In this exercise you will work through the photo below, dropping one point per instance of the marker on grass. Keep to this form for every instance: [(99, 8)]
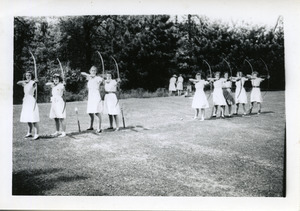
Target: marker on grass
[(78, 123)]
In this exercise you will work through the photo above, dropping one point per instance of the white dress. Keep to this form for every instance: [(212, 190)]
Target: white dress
[(111, 103), (256, 93), (240, 92), (218, 97), (172, 86), (58, 109), (94, 104), (30, 109), (180, 83), (200, 100)]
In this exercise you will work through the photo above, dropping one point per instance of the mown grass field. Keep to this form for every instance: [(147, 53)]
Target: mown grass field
[(162, 152)]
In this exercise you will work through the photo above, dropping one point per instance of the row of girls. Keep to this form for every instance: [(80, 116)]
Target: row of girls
[(222, 94), (95, 105)]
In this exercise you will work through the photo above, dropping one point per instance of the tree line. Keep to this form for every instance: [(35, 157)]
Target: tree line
[(148, 48)]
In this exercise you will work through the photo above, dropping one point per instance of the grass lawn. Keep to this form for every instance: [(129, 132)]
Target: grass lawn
[(158, 154)]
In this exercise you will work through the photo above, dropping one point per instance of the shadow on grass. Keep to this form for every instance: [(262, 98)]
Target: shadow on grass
[(136, 128), (73, 134), (35, 183), (264, 112), (241, 116)]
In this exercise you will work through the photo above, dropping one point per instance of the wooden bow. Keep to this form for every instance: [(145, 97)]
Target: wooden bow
[(35, 76), (210, 76), (228, 66), (102, 62), (118, 73), (62, 70), (63, 77), (249, 65)]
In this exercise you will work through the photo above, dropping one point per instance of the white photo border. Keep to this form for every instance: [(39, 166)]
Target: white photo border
[(255, 9)]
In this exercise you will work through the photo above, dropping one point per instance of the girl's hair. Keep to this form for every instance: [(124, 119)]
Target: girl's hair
[(255, 72), (239, 73), (110, 72), (217, 73), (57, 76), (199, 73), (30, 72), (94, 68)]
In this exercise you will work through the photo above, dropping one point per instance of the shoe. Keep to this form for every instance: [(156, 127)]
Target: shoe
[(36, 137), (222, 116), (99, 131), (234, 114), (55, 134), (63, 134), (117, 129), (28, 135), (244, 114), (214, 116), (195, 117), (258, 112), (109, 128), (202, 119), (90, 128)]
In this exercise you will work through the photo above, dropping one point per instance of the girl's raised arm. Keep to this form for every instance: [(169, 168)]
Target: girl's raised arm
[(193, 80), (234, 79), (85, 74), (264, 77), (249, 77), (49, 84), (21, 83), (211, 79)]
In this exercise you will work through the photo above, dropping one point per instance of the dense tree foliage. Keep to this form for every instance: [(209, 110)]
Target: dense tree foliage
[(149, 49)]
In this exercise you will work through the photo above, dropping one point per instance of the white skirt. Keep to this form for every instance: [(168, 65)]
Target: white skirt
[(94, 103), (179, 86), (57, 109), (172, 87), (218, 97), (200, 100), (256, 95), (30, 110), (240, 96), (111, 104)]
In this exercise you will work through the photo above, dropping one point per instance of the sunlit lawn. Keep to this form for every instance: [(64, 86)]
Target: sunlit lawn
[(162, 152)]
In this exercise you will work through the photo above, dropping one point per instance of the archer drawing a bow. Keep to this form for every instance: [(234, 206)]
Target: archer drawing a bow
[(245, 60), (118, 75)]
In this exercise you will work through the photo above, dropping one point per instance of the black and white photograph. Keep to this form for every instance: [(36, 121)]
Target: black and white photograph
[(183, 104)]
